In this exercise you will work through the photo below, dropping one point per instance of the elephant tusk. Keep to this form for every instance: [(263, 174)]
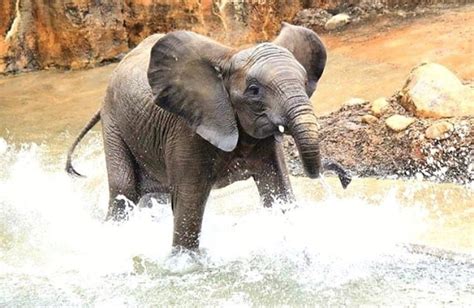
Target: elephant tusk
[(281, 129)]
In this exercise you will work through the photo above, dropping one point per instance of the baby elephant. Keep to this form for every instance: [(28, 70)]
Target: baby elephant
[(183, 114)]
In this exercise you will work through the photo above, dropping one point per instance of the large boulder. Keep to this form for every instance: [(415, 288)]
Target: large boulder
[(337, 21), (433, 91)]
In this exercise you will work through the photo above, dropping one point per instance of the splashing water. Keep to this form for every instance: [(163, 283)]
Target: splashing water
[(55, 248)]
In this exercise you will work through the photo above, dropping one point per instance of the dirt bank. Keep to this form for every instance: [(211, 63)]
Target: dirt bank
[(375, 150)]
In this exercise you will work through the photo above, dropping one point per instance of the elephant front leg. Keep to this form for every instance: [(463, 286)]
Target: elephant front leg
[(188, 203), (271, 177)]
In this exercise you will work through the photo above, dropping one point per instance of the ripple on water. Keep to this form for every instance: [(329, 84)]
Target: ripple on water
[(56, 250)]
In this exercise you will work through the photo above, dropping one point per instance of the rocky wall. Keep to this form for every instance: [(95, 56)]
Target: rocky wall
[(40, 34)]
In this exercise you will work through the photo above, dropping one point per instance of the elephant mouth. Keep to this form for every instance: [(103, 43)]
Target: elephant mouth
[(280, 131), (264, 128), (278, 137), (277, 130)]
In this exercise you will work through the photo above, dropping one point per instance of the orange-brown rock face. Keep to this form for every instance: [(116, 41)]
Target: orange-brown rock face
[(38, 34), (57, 33), (7, 14)]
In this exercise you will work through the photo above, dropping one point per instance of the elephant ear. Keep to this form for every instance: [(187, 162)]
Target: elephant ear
[(307, 48), (184, 75)]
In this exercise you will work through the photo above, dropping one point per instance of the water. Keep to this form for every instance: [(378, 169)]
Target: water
[(332, 248)]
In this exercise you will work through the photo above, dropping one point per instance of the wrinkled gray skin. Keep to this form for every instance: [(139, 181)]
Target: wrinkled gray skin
[(184, 114)]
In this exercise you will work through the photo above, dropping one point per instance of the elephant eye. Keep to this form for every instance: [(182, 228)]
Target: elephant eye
[(253, 89)]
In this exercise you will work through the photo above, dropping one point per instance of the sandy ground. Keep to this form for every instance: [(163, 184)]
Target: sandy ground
[(374, 60), (368, 61)]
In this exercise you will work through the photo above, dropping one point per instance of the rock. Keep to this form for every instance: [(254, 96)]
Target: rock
[(379, 106), (351, 126), (355, 11), (432, 91), (312, 18), (57, 34), (368, 119), (401, 14), (398, 122), (337, 21), (38, 34), (355, 101), (372, 7), (439, 130)]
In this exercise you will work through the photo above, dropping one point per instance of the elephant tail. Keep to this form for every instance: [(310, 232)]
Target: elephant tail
[(69, 168)]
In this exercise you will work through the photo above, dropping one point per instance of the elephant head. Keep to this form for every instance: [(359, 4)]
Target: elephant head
[(265, 88)]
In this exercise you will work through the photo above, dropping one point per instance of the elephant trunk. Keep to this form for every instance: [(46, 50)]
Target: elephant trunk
[(303, 127)]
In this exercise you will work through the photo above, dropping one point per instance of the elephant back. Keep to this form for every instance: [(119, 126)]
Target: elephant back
[(128, 86)]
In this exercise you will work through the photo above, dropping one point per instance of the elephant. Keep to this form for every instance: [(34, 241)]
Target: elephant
[(184, 114)]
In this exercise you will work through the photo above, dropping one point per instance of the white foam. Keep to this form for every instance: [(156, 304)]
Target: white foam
[(52, 226)]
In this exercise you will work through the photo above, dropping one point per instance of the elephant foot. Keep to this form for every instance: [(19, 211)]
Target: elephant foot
[(184, 261), (181, 250), (119, 209)]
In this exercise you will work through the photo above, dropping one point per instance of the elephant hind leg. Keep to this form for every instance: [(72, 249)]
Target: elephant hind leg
[(122, 175)]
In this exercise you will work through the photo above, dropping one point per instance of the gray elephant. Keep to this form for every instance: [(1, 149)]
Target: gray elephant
[(184, 114)]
